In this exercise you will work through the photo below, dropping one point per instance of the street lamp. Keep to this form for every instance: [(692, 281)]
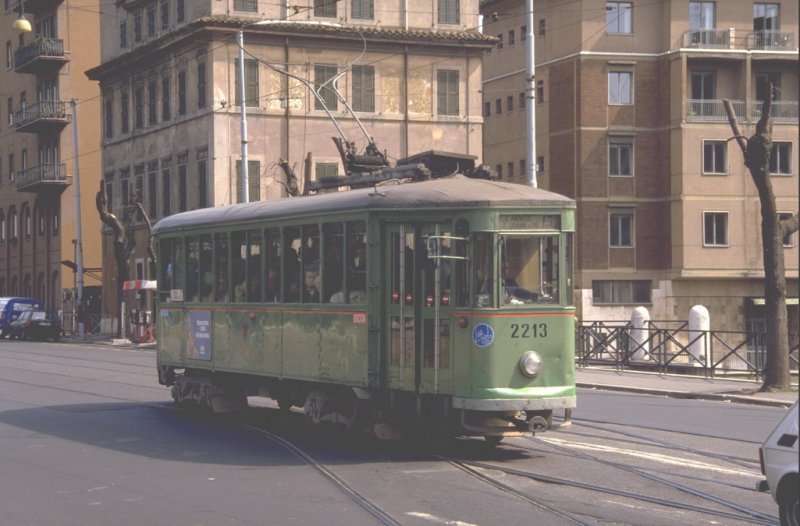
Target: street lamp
[(21, 24)]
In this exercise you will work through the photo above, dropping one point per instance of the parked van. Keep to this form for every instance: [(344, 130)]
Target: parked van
[(778, 458), (11, 308)]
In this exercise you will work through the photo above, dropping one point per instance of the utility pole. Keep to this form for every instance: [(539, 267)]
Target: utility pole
[(530, 89), (244, 176), (76, 188)]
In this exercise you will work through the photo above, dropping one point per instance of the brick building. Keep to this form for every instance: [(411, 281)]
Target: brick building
[(43, 72), (630, 122)]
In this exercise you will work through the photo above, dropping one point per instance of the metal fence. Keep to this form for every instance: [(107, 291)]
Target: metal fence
[(670, 346)]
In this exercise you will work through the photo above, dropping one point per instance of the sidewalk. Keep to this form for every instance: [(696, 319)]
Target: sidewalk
[(682, 386), (672, 385)]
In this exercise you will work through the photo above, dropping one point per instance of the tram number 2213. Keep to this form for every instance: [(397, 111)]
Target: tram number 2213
[(529, 330)]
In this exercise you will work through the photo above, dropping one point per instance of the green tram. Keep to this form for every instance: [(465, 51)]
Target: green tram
[(447, 301)]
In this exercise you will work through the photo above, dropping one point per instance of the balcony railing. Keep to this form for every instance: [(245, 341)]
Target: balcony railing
[(707, 38), (44, 176), (782, 110), (48, 52), (45, 115), (771, 40), (711, 110)]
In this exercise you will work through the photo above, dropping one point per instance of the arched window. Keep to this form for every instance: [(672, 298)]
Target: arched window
[(2, 286), (26, 221), (14, 291), (3, 231), (39, 216), (13, 220), (27, 286), (56, 218)]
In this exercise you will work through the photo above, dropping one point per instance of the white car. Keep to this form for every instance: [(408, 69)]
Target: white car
[(779, 462)]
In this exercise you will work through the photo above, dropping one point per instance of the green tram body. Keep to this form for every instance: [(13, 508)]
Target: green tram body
[(332, 357)]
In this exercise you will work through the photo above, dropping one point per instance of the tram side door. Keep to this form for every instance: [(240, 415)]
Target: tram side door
[(418, 308)]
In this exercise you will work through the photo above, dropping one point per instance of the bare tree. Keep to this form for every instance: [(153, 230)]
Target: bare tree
[(757, 150), (124, 243)]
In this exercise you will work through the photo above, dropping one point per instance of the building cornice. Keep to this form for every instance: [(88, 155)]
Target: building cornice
[(356, 34), (611, 55)]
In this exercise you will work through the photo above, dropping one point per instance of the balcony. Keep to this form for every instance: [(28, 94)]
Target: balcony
[(783, 111), (707, 38), (132, 5), (42, 56), (34, 7), (45, 116), (43, 178), (713, 110), (770, 40)]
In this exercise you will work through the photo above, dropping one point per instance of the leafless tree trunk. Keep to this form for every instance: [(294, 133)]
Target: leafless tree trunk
[(124, 243), (757, 150)]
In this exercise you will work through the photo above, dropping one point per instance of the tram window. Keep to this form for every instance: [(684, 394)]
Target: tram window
[(272, 267), (529, 267), (357, 262), (309, 257), (484, 270), (206, 270), (461, 285), (239, 266), (166, 269), (254, 251), (292, 241), (221, 267), (192, 268), (178, 272), (332, 263)]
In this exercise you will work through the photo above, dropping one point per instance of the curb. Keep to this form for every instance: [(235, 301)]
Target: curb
[(718, 397)]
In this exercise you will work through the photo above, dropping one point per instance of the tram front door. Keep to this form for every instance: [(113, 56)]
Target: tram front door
[(419, 307)]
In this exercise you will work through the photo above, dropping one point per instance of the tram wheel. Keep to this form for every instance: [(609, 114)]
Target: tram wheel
[(493, 440)]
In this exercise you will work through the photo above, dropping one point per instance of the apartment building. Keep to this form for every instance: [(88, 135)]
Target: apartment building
[(630, 122), (42, 73), (410, 69)]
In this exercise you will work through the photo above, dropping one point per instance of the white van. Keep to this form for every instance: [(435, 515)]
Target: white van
[(779, 462)]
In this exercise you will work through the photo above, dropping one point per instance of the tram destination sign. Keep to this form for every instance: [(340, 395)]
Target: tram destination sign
[(530, 222)]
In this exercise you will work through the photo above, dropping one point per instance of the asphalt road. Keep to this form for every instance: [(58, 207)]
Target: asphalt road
[(88, 437)]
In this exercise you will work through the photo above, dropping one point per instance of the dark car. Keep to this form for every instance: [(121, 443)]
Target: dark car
[(36, 325)]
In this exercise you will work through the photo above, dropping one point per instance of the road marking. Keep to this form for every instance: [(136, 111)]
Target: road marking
[(664, 459), (437, 520)]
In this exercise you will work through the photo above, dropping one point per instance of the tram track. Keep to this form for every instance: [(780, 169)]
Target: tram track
[(470, 468), (758, 518), (358, 498), (746, 514), (649, 440)]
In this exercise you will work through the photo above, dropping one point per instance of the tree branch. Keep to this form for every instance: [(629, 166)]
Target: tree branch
[(737, 132), (791, 225)]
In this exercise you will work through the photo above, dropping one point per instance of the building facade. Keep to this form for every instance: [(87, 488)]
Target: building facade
[(411, 70), (630, 122), (43, 72)]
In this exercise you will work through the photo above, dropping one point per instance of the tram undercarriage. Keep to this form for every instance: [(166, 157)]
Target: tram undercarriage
[(385, 415)]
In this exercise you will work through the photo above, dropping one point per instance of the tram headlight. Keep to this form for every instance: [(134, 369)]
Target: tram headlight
[(530, 364)]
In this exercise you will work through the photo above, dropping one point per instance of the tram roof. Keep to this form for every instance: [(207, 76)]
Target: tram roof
[(451, 192)]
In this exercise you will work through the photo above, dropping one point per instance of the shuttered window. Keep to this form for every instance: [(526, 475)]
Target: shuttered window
[(363, 9), (322, 74), (253, 179), (250, 82), (449, 11), (364, 88), (245, 5), (447, 92), (325, 8)]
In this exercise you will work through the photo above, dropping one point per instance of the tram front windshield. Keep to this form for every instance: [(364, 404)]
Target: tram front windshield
[(528, 270)]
